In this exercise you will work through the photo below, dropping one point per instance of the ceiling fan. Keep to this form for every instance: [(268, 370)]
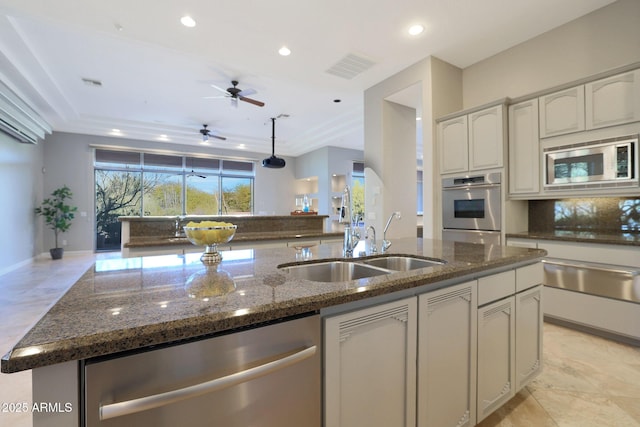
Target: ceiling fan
[(206, 133), (236, 94)]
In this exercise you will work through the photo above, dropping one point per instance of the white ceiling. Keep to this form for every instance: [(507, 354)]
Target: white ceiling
[(155, 72)]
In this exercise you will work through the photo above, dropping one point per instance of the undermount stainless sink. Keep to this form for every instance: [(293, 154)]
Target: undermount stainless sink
[(401, 263), (333, 271), (342, 271)]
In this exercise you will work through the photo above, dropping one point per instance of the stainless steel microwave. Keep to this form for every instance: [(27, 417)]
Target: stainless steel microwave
[(611, 162)]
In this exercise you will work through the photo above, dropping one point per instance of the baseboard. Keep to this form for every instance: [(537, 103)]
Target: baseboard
[(593, 331), (13, 267), (69, 253)]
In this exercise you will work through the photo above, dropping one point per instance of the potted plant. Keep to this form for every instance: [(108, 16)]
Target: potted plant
[(58, 215)]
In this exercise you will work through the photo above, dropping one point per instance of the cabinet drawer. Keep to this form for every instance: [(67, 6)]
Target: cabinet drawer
[(492, 288), (529, 276)]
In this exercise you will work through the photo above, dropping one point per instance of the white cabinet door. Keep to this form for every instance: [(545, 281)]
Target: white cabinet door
[(454, 147), (486, 138), (447, 356), (524, 148), (614, 100), (370, 366), (562, 112), (496, 355), (528, 335)]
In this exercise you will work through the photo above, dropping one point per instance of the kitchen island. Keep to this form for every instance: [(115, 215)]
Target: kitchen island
[(125, 305)]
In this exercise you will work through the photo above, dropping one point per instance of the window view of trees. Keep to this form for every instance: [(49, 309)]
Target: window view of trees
[(357, 190), (357, 197), (236, 195), (163, 195), (202, 194), (117, 194), (169, 185)]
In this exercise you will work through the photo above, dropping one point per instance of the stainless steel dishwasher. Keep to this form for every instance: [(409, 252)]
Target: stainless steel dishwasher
[(266, 376)]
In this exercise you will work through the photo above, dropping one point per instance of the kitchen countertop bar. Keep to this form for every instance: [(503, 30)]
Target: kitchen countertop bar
[(120, 305)]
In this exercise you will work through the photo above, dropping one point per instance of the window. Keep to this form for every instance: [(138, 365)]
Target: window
[(357, 190), (149, 184), (420, 205), (163, 195), (118, 193), (236, 195)]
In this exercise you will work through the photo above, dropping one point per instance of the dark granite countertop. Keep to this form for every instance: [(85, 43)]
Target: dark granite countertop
[(149, 241), (127, 304), (609, 238)]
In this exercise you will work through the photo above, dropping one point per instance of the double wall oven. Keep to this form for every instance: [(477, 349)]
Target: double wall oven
[(471, 208)]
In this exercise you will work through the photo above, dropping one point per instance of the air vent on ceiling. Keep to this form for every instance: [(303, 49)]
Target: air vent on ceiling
[(350, 66), (18, 120)]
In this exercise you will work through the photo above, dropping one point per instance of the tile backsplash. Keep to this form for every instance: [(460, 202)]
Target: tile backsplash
[(604, 214)]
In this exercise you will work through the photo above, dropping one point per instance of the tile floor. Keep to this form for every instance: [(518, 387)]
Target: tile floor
[(587, 380)]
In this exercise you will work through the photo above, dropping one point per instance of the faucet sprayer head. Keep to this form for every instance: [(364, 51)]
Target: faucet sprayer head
[(395, 214)]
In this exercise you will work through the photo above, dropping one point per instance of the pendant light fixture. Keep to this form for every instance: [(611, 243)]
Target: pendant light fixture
[(273, 161)]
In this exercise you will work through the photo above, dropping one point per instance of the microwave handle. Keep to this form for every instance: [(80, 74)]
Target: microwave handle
[(133, 406)]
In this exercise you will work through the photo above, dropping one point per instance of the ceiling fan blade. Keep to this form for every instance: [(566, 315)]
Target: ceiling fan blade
[(252, 101), (220, 89), (246, 92), (222, 138), (215, 97)]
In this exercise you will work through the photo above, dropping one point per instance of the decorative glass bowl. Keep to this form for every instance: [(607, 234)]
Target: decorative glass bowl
[(210, 236)]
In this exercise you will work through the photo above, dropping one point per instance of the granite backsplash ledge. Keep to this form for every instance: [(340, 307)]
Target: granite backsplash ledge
[(611, 215)]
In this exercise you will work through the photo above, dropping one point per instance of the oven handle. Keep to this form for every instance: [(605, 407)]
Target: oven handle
[(127, 407), (470, 187)]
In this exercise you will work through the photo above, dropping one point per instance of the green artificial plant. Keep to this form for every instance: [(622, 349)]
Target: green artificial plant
[(56, 212)]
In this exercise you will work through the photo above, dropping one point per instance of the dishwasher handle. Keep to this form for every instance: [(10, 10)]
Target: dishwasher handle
[(133, 406)]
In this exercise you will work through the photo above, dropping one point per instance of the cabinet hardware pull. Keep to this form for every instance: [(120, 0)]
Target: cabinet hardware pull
[(133, 406)]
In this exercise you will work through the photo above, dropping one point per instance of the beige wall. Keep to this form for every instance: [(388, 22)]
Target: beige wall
[(602, 40), (440, 93), (21, 180)]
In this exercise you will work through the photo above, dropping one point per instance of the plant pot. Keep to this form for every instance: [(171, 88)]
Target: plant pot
[(56, 253)]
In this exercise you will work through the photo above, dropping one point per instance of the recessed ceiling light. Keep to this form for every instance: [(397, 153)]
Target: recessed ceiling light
[(284, 51), (414, 30), (418, 119), (188, 21)]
